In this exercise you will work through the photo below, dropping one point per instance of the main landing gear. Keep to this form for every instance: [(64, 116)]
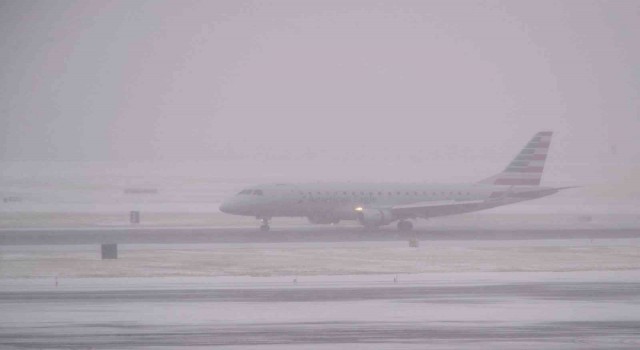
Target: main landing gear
[(265, 225), (404, 225)]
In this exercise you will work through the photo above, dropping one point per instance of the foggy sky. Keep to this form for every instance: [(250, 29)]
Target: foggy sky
[(298, 80)]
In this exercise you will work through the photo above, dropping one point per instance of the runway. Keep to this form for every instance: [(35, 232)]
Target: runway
[(587, 310), (320, 288), (174, 235)]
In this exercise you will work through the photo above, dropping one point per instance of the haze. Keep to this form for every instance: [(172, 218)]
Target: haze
[(167, 174), (386, 91)]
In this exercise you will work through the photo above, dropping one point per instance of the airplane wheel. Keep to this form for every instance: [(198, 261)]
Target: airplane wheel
[(264, 228), (405, 225)]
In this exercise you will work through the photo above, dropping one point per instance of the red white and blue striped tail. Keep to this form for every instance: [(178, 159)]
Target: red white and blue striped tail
[(526, 168)]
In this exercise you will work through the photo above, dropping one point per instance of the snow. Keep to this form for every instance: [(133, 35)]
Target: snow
[(315, 259), (489, 315), (561, 294)]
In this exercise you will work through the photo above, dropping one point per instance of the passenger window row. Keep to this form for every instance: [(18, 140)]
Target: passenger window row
[(251, 192), (398, 193)]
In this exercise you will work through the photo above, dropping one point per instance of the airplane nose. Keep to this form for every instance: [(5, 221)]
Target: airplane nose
[(225, 207), (231, 206), (234, 206)]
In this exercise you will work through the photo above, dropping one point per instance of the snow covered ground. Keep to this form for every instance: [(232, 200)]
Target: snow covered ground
[(321, 258), (463, 294), (480, 310)]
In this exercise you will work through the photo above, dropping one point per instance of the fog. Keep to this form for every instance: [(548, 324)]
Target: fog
[(125, 124), (346, 90)]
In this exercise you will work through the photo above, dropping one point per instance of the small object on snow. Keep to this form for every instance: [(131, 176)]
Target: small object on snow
[(109, 251), (134, 217), (295, 280), (585, 218), (395, 279), (414, 243)]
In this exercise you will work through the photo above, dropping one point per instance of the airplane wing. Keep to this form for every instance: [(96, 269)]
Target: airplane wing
[(435, 208)]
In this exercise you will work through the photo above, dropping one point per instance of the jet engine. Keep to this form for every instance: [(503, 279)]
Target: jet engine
[(376, 217)]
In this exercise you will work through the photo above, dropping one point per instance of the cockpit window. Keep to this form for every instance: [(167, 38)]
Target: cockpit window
[(245, 192)]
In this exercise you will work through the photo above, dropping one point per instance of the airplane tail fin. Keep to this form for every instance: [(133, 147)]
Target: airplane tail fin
[(526, 168)]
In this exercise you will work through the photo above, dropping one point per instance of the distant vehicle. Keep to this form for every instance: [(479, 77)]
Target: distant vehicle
[(375, 205), (12, 199)]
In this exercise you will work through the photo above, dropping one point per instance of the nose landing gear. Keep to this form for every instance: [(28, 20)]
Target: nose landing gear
[(265, 225)]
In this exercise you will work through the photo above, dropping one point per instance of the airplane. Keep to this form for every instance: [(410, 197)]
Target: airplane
[(378, 204)]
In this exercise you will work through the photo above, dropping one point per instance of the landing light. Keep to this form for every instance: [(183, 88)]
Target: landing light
[(359, 209)]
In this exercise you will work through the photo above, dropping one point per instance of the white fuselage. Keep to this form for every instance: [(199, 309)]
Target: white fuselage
[(377, 204), (332, 202)]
